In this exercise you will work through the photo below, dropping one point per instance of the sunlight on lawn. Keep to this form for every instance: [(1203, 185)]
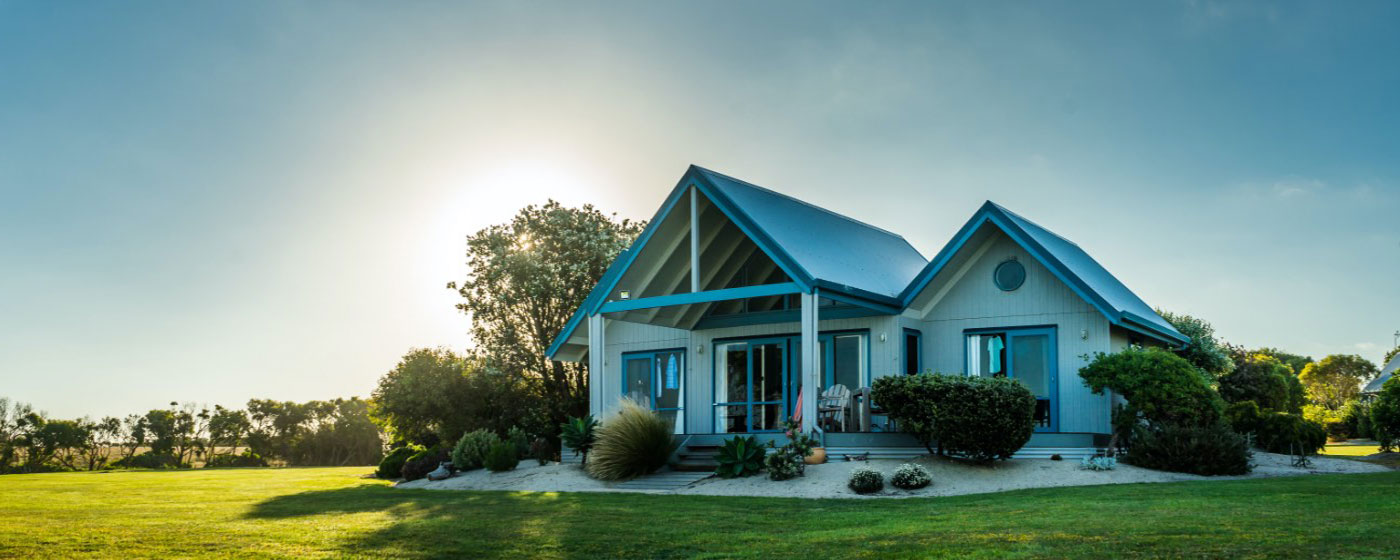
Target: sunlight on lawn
[(1351, 450)]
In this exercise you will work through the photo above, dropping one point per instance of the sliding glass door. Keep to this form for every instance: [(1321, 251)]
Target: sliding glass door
[(750, 385), (1026, 355)]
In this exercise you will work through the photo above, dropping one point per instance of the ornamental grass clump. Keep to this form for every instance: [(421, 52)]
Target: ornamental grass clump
[(634, 442), (911, 477), (865, 480)]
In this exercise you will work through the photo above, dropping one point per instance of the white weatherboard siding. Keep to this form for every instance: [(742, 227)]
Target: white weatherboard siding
[(974, 301)]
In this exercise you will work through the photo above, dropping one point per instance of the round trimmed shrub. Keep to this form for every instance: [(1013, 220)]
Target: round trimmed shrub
[(424, 462), (865, 480), (470, 451), (501, 457), (980, 418), (391, 466), (634, 442), (784, 464), (1205, 450), (1160, 387), (911, 477)]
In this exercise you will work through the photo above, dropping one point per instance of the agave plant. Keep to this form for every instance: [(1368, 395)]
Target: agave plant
[(740, 456), (580, 434)]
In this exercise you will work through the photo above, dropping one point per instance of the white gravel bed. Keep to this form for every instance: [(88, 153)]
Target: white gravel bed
[(950, 478)]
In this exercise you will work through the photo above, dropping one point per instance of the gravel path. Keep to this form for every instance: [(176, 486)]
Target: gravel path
[(950, 478)]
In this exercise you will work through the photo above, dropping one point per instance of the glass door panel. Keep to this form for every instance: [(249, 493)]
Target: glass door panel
[(751, 385), (637, 380), (1031, 364), (670, 388)]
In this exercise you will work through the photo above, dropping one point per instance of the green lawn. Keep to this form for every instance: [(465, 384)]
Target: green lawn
[(1349, 450), (336, 513)]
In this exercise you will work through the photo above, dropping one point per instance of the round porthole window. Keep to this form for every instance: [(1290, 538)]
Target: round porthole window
[(1009, 275)]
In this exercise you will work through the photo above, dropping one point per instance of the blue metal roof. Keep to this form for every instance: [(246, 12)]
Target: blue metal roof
[(829, 247), (1070, 263), (1387, 372), (849, 258)]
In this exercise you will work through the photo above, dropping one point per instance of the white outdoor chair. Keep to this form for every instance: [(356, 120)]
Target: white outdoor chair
[(834, 406)]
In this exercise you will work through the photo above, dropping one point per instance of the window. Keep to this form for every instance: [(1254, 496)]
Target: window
[(656, 379), (1024, 354), (913, 351), (757, 381), (1009, 275)]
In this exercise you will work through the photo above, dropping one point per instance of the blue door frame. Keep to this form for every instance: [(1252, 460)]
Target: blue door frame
[(749, 402), (792, 364), (1052, 365), (657, 377)]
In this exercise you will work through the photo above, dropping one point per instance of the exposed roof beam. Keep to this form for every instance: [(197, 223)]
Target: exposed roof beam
[(702, 297), (732, 262)]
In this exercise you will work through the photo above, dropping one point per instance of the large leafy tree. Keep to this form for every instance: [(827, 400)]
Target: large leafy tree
[(1203, 350), (1259, 378), (526, 277), (1336, 379), (436, 395)]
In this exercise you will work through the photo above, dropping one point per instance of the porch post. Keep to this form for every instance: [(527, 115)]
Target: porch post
[(811, 354), (694, 243), (596, 355)]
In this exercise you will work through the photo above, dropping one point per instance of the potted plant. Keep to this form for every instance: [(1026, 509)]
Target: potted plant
[(805, 445)]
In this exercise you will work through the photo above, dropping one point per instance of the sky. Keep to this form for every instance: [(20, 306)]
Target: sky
[(215, 201)]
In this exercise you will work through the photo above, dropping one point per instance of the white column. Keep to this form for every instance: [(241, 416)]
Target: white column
[(694, 242), (596, 364), (811, 356)]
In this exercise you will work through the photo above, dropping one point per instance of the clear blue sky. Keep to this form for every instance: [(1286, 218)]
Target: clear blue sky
[(215, 201)]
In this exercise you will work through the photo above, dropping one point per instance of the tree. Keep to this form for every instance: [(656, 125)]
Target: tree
[(1160, 387), (526, 279), (227, 428), (1203, 349), (1259, 378), (1336, 379), (1385, 415), (435, 395)]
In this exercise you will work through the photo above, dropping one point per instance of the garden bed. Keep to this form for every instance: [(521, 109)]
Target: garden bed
[(829, 480)]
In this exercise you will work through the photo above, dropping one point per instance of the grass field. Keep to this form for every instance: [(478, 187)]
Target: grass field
[(335, 512)]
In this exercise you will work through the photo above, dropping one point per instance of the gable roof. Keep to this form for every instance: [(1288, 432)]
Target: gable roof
[(1386, 373), (814, 246), (1067, 261)]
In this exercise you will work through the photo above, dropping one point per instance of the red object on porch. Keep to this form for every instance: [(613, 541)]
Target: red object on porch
[(797, 414)]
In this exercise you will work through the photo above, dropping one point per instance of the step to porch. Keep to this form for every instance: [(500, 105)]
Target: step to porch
[(1067, 453), (696, 458), (664, 481)]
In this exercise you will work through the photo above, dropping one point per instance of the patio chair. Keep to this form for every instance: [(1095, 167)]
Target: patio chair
[(834, 407)]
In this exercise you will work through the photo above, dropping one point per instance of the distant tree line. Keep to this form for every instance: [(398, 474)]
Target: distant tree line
[(315, 433)]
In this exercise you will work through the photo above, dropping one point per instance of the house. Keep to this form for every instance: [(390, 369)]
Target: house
[(737, 303), (1372, 389)]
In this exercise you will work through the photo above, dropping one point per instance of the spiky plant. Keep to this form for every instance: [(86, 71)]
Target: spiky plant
[(580, 434), (633, 443)]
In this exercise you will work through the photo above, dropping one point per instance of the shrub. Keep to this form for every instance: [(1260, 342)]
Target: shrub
[(470, 451), (245, 459), (1190, 448), (981, 418), (541, 451), (740, 456), (911, 477), (865, 480), (1385, 415), (149, 460), (1160, 387), (424, 462), (580, 434), (1098, 463), (1244, 417), (1259, 378), (1357, 417), (1289, 433), (501, 457), (517, 436), (391, 466), (634, 442), (783, 464)]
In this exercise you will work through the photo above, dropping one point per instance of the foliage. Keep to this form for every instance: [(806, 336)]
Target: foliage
[(1160, 387), (1385, 415), (1390, 354), (1276, 432), (150, 460), (525, 280), (1356, 416), (1336, 379), (501, 457), (580, 434), (1203, 350), (740, 456), (1294, 362), (423, 462), (471, 449), (981, 418), (788, 461), (1259, 378), (517, 436), (1098, 463), (1210, 449), (391, 466), (865, 480), (634, 442), (245, 459), (435, 395), (910, 476)]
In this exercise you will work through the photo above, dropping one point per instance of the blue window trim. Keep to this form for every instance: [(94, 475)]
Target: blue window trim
[(790, 342), (918, 350), (656, 382), (1054, 361)]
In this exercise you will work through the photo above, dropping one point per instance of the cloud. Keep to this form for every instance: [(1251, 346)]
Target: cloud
[(1292, 187), (1364, 346)]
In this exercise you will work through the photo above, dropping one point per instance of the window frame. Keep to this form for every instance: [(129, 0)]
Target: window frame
[(657, 382)]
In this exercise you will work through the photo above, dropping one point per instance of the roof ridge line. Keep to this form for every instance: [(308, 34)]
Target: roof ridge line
[(804, 203)]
